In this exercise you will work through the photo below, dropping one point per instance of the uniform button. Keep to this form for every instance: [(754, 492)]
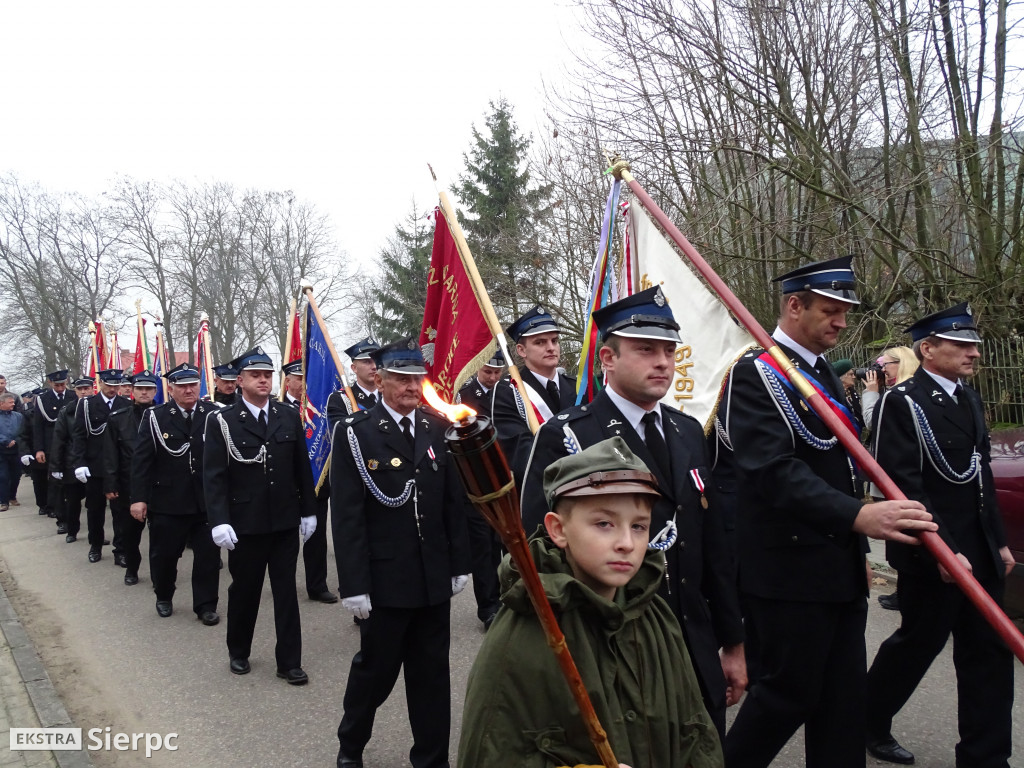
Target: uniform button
[(682, 544), (682, 580), (679, 509), (417, 471), (794, 539), (545, 743), (685, 617), (630, 716)]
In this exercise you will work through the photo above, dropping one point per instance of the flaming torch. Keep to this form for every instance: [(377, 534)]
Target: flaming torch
[(472, 440)]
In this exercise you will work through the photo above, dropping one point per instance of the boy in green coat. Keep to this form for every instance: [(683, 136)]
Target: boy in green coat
[(602, 583)]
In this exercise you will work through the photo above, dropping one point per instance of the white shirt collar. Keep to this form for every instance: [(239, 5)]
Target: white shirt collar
[(398, 417), (255, 409), (947, 386), (784, 338), (632, 412), (543, 381)]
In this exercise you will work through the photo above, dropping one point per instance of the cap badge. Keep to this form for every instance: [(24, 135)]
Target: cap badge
[(259, 350), (618, 453), (969, 310), (659, 298), (540, 310), (411, 344)]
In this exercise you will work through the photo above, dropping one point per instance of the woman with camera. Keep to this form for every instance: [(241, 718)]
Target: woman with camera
[(895, 364)]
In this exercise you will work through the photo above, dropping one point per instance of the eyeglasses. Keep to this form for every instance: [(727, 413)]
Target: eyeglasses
[(890, 362)]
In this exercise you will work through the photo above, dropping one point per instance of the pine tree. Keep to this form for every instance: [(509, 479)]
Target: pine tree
[(400, 295), (502, 209)]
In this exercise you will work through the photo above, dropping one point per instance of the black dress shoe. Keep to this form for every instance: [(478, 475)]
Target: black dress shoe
[(164, 608), (121, 560), (489, 620), (209, 618), (42, 511), (51, 514), (70, 538), (95, 555), (890, 751), (131, 578), (61, 528), (293, 676), (323, 597), (349, 762), (889, 602), (240, 666)]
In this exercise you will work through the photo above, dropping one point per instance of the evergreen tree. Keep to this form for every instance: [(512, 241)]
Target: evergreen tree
[(502, 211), (400, 295)]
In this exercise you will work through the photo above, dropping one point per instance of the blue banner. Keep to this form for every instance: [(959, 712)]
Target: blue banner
[(322, 379)]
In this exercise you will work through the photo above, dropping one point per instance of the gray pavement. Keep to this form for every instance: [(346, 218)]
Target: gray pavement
[(115, 664)]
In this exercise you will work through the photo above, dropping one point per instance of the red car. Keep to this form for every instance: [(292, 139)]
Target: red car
[(1008, 470)]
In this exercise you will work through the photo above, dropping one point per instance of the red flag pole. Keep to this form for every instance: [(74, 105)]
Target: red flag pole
[(932, 541), (287, 351)]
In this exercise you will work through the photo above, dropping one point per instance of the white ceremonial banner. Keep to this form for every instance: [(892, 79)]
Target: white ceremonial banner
[(712, 340)]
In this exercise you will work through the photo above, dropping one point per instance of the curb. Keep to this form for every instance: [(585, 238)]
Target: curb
[(47, 704)]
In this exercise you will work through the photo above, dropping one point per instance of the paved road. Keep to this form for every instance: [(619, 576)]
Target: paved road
[(116, 663)]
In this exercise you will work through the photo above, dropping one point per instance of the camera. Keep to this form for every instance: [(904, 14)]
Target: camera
[(862, 373)]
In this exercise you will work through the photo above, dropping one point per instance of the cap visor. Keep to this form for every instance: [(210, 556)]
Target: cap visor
[(259, 367), (649, 332), (546, 328), (964, 334), (850, 297), (409, 369)]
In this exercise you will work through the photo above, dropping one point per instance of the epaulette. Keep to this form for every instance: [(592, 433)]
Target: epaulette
[(354, 418), (570, 415), (904, 386)]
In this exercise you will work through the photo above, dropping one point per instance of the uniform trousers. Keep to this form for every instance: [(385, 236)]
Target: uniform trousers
[(71, 497), (415, 641), (96, 514), (10, 476), (314, 551), (167, 537), (38, 473), (485, 548), (131, 532), (932, 611), (254, 556), (813, 665)]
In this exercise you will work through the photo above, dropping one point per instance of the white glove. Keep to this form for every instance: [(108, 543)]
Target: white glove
[(307, 527), (224, 536), (83, 474), (26, 459), (57, 475), (359, 606), (459, 583)]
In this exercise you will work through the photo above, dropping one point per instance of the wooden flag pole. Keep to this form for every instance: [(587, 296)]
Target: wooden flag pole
[(484, 300), (308, 290), (287, 345)]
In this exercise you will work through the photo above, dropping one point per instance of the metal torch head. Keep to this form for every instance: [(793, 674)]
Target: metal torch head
[(481, 462)]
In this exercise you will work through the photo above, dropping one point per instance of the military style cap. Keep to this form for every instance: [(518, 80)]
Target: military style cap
[(294, 368), (402, 356), (605, 467), (497, 360), (58, 377), (362, 350), (833, 278), (644, 315), (253, 360), (225, 372), (112, 376), (30, 393), (186, 373), (955, 323), (84, 381), (145, 378), (38, 391), (537, 320)]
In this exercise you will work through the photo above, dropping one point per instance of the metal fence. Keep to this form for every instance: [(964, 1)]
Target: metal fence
[(999, 377)]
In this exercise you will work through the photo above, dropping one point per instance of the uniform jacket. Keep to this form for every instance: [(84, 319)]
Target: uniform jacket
[(382, 551), (44, 417), (472, 394), (519, 712), (700, 585), (119, 440), (339, 406), (169, 484), (87, 440), (225, 399), (263, 496), (513, 428), (796, 503), (58, 459), (967, 514)]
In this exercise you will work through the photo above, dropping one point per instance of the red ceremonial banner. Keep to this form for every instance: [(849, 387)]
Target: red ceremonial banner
[(455, 338)]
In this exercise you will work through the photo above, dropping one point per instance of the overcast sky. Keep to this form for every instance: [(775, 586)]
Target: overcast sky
[(345, 103)]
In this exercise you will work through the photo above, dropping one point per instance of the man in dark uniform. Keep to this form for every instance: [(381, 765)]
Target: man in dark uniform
[(44, 417), (259, 495), (36, 471), (365, 388), (401, 547), (120, 437), (314, 550), (225, 383), (639, 336), (484, 543), (87, 429), (536, 335), (932, 441), (801, 537), (71, 492)]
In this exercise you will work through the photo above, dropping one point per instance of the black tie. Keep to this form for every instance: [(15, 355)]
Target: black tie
[(188, 421), (656, 444), (263, 421), (406, 429), (553, 401), (826, 377)]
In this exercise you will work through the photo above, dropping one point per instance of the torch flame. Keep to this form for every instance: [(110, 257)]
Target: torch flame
[(454, 412)]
